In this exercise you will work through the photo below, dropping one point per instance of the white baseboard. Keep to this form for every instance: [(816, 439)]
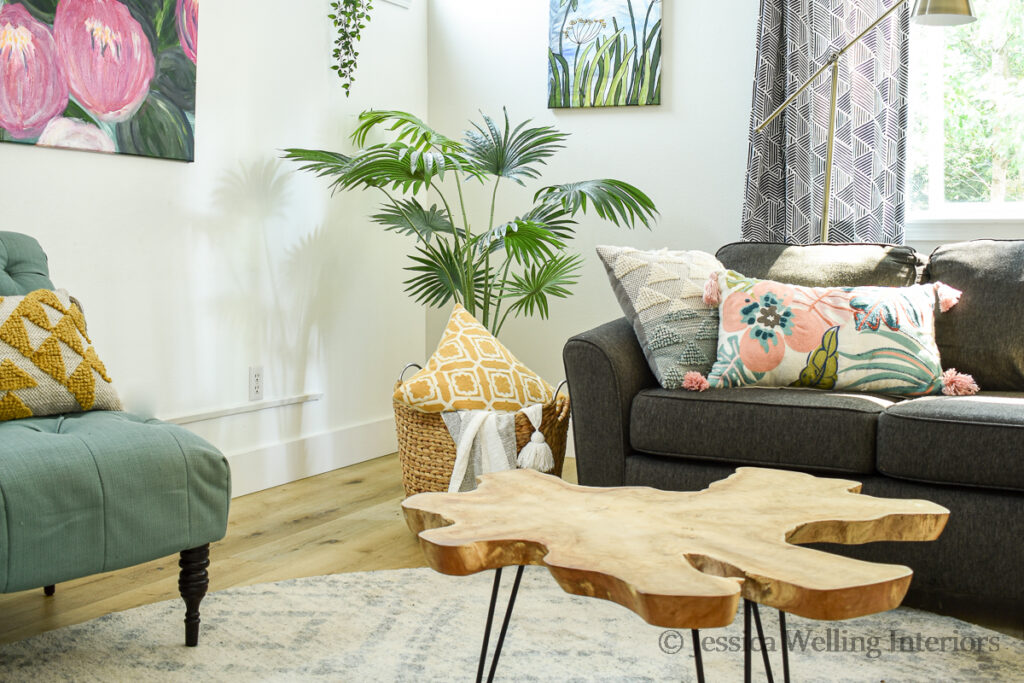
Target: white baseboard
[(289, 461)]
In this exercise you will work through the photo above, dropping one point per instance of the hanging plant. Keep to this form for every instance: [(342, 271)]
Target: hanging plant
[(350, 18)]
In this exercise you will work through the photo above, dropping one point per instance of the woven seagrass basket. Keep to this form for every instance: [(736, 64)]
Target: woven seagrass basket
[(427, 451)]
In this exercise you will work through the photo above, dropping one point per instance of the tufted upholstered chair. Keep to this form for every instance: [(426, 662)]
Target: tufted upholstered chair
[(84, 493)]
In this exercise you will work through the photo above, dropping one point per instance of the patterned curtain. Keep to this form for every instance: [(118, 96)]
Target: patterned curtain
[(786, 167)]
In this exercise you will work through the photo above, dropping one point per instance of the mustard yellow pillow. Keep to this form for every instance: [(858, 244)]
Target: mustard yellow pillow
[(47, 363), (471, 370)]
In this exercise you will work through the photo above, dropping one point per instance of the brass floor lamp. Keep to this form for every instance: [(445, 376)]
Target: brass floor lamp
[(926, 12)]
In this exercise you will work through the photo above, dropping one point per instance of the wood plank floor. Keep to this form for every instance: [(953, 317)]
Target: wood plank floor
[(348, 520)]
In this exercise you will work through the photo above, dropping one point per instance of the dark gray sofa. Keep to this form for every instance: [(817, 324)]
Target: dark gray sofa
[(966, 453)]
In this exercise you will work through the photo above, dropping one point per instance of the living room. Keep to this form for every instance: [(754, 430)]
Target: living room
[(264, 315)]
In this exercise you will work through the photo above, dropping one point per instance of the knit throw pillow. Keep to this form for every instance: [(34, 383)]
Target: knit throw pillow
[(471, 370), (879, 339), (661, 293), (47, 363)]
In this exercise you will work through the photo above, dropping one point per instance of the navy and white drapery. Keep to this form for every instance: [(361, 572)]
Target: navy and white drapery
[(786, 167)]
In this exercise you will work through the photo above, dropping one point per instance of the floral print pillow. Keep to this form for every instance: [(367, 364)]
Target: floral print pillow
[(879, 339)]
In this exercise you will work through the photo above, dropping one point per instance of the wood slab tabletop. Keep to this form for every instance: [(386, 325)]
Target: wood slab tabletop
[(682, 559)]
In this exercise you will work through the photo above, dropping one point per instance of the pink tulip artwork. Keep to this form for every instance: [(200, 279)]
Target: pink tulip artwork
[(108, 57), (101, 75), (188, 27), (33, 88)]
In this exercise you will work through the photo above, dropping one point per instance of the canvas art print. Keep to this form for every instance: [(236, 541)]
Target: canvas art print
[(101, 75), (604, 53)]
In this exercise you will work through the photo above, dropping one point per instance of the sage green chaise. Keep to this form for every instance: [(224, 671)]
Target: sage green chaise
[(91, 492)]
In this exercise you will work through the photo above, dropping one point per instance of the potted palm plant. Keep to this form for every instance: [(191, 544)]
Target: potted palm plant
[(495, 269)]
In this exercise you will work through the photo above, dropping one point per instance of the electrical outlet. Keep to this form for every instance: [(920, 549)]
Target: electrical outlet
[(255, 382)]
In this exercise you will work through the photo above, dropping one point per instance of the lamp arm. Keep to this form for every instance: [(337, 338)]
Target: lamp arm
[(831, 60)]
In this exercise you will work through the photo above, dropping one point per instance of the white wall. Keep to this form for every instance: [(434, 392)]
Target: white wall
[(189, 273), (688, 154)]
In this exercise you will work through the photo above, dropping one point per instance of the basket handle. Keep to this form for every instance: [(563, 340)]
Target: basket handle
[(401, 377), (563, 383)]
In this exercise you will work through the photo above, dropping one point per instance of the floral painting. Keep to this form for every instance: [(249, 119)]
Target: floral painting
[(116, 76), (604, 53)]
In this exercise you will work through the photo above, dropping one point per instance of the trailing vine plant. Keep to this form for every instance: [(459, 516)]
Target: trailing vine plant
[(349, 18)]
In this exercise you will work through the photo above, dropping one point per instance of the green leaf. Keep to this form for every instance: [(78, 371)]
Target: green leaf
[(822, 371), (409, 217), (523, 240), (511, 153), (176, 78), (395, 165), (612, 200), (410, 129), (553, 217), (43, 10), (75, 111), (158, 129), (439, 278), (529, 291), (320, 162)]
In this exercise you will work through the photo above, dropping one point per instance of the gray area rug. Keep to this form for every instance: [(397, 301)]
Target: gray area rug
[(416, 625)]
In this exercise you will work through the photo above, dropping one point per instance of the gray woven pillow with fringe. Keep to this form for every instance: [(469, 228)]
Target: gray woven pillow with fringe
[(661, 293)]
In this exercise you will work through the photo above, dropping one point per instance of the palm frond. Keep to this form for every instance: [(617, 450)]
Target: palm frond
[(612, 200), (512, 153), (525, 241), (409, 217), (410, 129), (395, 165), (439, 278), (319, 161), (553, 217), (530, 290)]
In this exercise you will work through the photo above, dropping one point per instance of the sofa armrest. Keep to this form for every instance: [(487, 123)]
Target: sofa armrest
[(606, 368)]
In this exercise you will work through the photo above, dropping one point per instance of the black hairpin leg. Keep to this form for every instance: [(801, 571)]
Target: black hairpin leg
[(751, 607), (785, 647), (504, 624), (697, 659), (761, 641), (746, 641)]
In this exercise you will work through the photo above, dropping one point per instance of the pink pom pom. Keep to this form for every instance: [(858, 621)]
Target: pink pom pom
[(712, 294), (694, 381), (958, 384), (948, 296)]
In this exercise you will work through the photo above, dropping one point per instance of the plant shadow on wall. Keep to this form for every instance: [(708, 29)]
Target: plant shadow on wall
[(494, 269), (274, 288), (100, 75), (604, 53)]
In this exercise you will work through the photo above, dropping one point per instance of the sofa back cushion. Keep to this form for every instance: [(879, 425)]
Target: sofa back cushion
[(983, 335), (825, 265), (23, 265)]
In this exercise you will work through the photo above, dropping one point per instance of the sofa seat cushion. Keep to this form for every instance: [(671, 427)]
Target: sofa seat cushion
[(965, 440), (93, 492), (827, 431)]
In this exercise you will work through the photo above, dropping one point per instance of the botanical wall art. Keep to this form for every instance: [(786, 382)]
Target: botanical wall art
[(604, 53), (101, 75)]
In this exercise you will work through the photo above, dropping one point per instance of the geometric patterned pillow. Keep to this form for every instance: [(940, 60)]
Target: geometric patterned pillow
[(879, 339), (471, 370), (47, 363), (661, 294)]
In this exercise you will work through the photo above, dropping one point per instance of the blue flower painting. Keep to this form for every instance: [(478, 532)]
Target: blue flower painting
[(604, 53)]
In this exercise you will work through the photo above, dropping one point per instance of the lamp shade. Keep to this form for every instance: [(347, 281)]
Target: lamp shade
[(943, 12)]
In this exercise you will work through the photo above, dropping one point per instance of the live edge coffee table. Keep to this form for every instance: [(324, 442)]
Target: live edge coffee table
[(680, 560)]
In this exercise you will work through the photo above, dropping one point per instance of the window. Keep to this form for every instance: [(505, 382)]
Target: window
[(966, 136)]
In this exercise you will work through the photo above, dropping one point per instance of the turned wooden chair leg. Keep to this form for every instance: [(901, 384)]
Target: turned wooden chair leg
[(49, 590), (192, 584)]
